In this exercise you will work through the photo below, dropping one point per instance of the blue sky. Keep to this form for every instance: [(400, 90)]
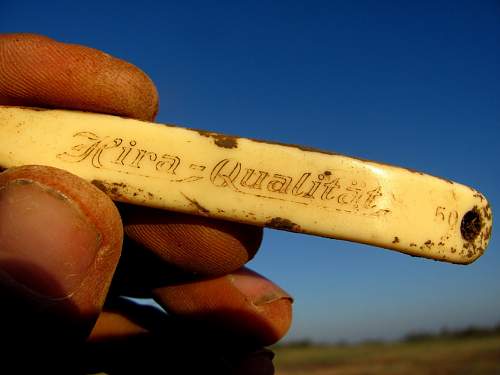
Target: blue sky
[(409, 83)]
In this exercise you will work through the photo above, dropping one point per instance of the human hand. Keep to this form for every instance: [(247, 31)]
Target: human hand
[(61, 238)]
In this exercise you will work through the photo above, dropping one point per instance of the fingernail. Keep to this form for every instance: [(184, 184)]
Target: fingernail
[(257, 289), (46, 243)]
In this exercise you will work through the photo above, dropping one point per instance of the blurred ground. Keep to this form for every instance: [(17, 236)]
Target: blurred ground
[(467, 356)]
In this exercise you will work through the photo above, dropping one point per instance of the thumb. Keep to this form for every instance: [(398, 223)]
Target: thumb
[(60, 240)]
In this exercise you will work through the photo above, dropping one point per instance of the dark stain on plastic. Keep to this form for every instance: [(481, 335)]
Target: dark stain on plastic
[(283, 224), (224, 141)]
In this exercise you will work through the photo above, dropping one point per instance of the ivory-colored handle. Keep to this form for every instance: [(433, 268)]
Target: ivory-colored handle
[(279, 186)]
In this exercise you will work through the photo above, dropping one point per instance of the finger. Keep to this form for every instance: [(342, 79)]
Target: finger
[(122, 319), (130, 336), (60, 240), (139, 271), (241, 305), (39, 71), (194, 244)]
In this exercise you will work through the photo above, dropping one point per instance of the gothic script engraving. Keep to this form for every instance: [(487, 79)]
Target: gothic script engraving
[(326, 189), (329, 189), (126, 156)]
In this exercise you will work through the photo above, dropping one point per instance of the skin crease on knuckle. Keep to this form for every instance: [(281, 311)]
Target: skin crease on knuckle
[(59, 75)]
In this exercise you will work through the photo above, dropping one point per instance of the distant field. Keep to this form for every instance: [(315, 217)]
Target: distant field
[(470, 356)]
